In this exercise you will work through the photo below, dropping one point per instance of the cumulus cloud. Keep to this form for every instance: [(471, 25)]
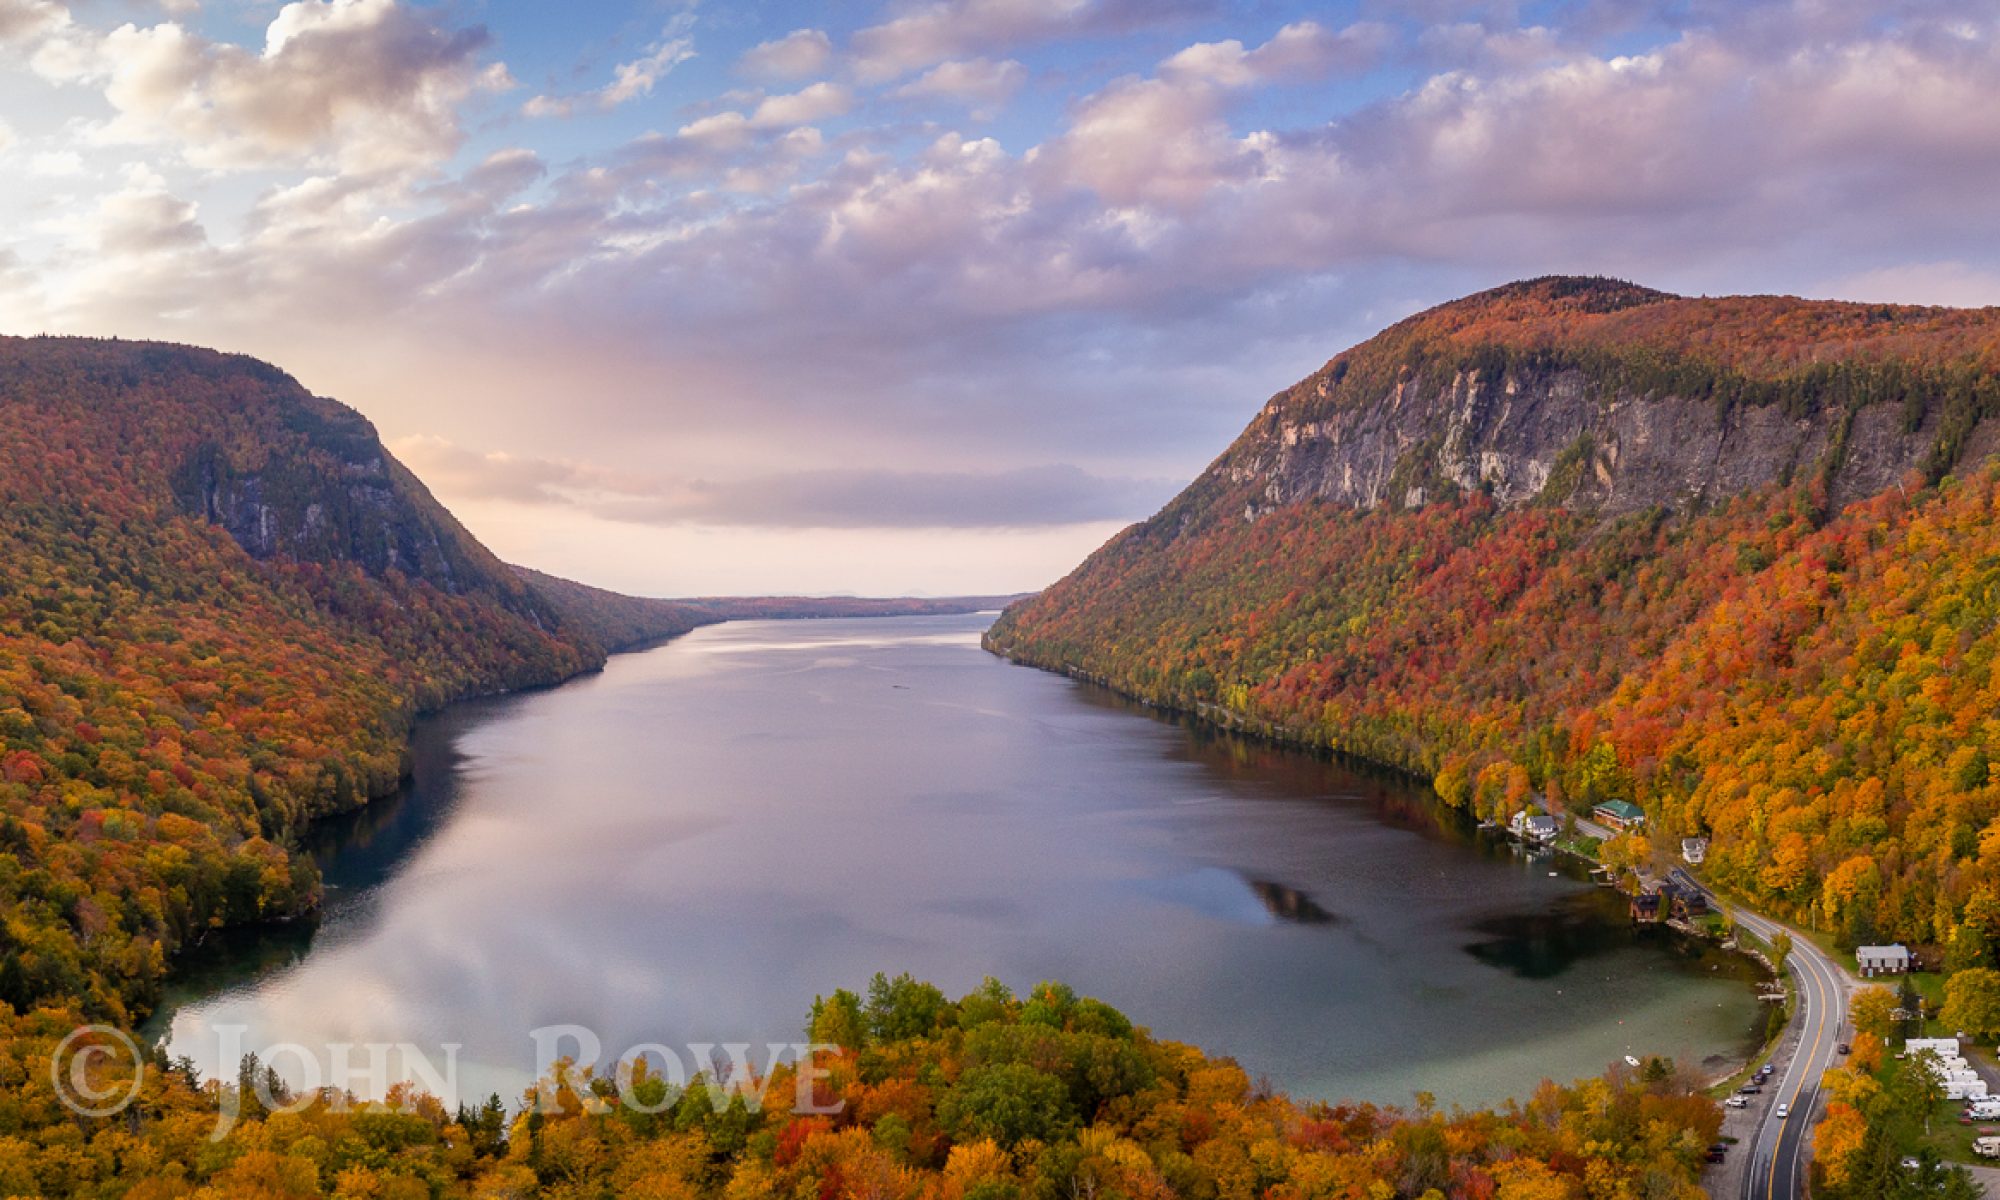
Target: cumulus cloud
[(750, 152), (1166, 141), (816, 103), (22, 21), (849, 498), (979, 83), (144, 218), (629, 80), (1109, 292), (947, 29), (1303, 50), (1150, 142), (364, 85), (800, 53)]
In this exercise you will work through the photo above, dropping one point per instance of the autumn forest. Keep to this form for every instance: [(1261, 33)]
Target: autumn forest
[(224, 604)]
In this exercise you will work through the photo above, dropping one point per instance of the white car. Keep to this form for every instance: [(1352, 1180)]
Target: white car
[(1784, 1110), (1736, 1102)]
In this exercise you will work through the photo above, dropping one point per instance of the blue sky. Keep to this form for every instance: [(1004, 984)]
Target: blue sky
[(930, 295)]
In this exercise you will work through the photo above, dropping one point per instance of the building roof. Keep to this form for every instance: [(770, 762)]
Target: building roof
[(1624, 810), (1894, 951), (1694, 843), (1542, 821)]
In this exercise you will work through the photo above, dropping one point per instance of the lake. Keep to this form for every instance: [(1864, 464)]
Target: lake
[(691, 845)]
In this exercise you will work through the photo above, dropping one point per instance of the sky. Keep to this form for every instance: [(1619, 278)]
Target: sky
[(930, 296)]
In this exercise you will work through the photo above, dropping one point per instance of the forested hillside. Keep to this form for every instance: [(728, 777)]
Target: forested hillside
[(611, 619), (221, 603), (989, 1097), (1736, 560), (801, 608)]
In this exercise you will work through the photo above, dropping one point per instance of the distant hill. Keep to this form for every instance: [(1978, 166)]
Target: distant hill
[(1734, 559), (786, 608), (221, 604), (613, 620)]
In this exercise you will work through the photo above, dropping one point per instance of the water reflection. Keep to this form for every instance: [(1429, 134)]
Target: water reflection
[(691, 845), (1289, 903)]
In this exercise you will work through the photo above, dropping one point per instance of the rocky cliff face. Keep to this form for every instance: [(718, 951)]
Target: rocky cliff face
[(320, 488), (1608, 399), (1734, 560), (1562, 438)]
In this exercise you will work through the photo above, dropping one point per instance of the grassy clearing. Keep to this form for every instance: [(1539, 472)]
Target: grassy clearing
[(1582, 845)]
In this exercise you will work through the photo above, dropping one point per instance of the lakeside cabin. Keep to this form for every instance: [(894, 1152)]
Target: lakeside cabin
[(1669, 901), (1684, 903), (1539, 828), (1694, 850), (1620, 814), (1882, 960)]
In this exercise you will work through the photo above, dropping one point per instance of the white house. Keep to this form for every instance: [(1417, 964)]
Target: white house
[(1532, 826), (1883, 960), (1694, 850)]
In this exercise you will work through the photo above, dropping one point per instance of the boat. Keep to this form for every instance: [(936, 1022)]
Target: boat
[(1630, 1061)]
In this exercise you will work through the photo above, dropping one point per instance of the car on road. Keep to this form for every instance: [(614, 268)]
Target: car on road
[(1784, 1110)]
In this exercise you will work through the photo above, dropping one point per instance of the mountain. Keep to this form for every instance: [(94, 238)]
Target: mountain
[(221, 604), (1732, 559), (613, 620), (790, 608)]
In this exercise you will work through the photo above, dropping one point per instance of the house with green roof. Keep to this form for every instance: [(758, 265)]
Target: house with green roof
[(1620, 814)]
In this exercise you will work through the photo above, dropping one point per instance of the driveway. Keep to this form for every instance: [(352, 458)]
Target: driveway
[(1987, 1178)]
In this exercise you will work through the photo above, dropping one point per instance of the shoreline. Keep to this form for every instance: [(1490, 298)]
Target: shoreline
[(1455, 822), (1283, 738)]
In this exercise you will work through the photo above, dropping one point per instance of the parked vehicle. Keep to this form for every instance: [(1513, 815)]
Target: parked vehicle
[(1749, 1089), (1845, 1048), (1986, 1147), (1740, 1102)]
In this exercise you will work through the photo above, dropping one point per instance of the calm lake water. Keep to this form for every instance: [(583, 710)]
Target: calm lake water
[(691, 845)]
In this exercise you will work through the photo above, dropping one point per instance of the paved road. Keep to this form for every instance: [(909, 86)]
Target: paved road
[(1780, 1149)]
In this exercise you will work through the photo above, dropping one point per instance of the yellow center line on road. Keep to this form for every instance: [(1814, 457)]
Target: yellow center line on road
[(1809, 981)]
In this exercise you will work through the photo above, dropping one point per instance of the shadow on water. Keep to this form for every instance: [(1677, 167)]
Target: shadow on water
[(1290, 904), (1239, 892), (356, 852), (1255, 765), (1544, 945)]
